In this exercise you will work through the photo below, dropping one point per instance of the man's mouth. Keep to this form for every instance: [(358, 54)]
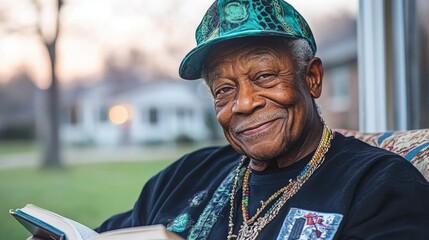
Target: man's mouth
[(257, 128), (260, 125)]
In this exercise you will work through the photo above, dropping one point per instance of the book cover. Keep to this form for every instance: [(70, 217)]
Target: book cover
[(48, 225), (37, 227)]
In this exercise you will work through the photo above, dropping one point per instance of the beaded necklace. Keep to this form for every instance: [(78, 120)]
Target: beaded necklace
[(250, 229)]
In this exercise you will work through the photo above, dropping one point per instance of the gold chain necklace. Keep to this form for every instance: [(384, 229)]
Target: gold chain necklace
[(250, 229)]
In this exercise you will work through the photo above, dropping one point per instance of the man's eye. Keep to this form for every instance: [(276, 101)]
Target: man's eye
[(264, 76), (223, 90)]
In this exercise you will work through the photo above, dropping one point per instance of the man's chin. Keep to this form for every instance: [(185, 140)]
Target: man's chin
[(263, 152), (263, 148)]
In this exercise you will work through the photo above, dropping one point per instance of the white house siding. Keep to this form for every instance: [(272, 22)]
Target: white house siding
[(167, 99), (180, 112)]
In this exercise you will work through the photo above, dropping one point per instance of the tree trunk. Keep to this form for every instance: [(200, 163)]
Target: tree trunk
[(52, 146), (52, 156)]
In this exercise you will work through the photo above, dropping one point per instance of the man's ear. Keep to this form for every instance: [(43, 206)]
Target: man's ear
[(314, 77)]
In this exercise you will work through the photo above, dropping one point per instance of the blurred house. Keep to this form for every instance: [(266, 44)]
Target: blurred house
[(17, 113), (154, 112), (340, 101)]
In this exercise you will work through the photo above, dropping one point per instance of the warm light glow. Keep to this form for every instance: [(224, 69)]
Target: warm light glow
[(119, 114)]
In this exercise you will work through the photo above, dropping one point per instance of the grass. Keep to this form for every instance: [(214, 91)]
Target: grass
[(86, 193), (12, 147)]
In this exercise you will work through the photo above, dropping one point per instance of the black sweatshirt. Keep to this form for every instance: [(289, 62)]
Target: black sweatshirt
[(359, 192)]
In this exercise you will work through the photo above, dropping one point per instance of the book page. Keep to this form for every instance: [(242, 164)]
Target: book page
[(83, 231), (72, 229), (151, 232)]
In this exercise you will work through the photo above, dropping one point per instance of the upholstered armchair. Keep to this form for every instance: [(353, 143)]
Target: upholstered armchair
[(413, 145)]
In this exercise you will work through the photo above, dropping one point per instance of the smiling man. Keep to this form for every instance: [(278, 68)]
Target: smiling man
[(265, 106), (285, 174)]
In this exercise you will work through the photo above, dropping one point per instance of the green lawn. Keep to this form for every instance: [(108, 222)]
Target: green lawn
[(86, 193), (12, 147)]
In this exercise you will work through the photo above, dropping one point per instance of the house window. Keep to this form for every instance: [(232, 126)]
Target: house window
[(393, 61), (340, 100), (104, 114), (74, 115), (418, 78), (153, 116)]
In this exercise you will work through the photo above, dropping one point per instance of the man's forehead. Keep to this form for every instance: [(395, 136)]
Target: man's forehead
[(259, 55), (245, 53), (214, 74), (217, 66)]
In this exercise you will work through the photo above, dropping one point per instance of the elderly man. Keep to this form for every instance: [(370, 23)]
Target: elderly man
[(285, 174)]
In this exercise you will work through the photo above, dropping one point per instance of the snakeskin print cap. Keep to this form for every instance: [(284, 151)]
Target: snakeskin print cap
[(230, 19)]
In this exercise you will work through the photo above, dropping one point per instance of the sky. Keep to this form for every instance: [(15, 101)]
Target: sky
[(161, 32)]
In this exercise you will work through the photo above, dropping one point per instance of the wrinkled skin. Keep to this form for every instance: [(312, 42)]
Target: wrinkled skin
[(267, 113)]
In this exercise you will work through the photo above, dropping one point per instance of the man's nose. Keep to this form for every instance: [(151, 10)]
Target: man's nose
[(248, 99)]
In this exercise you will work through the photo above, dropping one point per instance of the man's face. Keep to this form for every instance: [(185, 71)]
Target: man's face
[(259, 103)]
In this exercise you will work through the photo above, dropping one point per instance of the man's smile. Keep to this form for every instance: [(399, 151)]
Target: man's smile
[(257, 128), (254, 128)]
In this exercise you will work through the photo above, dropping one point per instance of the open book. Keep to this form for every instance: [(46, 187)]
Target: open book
[(48, 225)]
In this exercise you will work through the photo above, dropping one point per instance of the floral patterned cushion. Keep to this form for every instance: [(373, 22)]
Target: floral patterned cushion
[(413, 145)]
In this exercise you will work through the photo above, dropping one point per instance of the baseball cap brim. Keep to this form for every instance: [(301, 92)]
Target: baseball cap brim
[(192, 64)]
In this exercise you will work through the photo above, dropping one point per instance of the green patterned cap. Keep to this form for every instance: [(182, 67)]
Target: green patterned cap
[(230, 19)]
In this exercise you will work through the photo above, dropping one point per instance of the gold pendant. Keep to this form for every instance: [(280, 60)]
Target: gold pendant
[(248, 232)]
